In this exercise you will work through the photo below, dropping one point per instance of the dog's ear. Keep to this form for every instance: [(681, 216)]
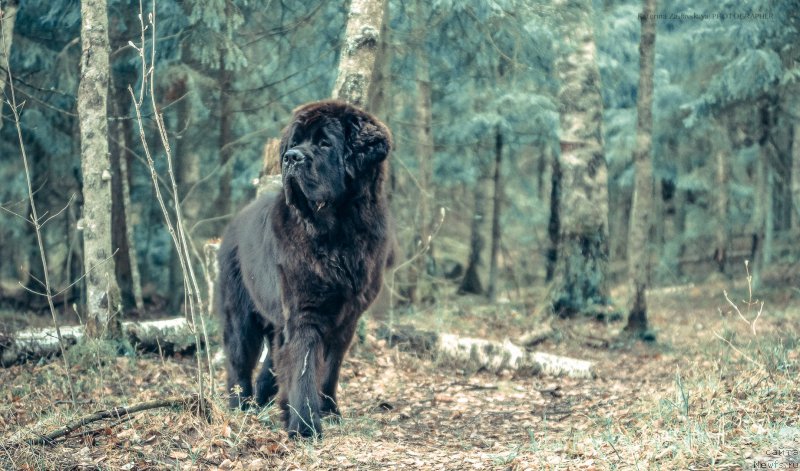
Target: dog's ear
[(368, 142)]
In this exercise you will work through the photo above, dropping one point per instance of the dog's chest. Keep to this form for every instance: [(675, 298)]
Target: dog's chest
[(342, 269)]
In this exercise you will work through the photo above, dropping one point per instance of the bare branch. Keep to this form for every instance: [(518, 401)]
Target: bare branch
[(34, 217)]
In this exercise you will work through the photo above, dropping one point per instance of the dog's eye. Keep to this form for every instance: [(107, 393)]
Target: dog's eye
[(324, 143)]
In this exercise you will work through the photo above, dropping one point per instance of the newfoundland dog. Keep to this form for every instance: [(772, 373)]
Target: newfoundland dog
[(300, 266)]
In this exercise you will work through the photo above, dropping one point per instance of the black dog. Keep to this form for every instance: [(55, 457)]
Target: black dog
[(299, 268)]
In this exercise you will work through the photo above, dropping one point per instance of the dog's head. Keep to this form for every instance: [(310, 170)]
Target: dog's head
[(331, 152)]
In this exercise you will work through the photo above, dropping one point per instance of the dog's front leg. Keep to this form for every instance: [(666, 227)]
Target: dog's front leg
[(298, 362)]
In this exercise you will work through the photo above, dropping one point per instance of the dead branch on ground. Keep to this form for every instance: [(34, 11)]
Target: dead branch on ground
[(192, 403)]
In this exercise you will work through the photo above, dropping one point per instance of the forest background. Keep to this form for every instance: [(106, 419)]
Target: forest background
[(523, 178)]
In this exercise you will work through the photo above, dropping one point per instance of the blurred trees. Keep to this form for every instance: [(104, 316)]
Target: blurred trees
[(457, 77)]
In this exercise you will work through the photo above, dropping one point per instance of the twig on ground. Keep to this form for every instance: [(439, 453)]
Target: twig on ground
[(191, 402)]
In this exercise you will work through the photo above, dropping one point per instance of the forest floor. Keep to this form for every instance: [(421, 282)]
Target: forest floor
[(689, 400)]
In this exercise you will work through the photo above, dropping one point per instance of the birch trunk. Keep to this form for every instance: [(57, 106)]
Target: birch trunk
[(166, 336), (475, 354), (8, 17), (582, 254), (359, 51), (642, 205), (102, 293)]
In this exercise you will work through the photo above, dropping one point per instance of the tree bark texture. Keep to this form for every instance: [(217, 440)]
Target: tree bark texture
[(642, 205), (359, 50), (582, 257), (497, 203), (8, 16), (102, 293)]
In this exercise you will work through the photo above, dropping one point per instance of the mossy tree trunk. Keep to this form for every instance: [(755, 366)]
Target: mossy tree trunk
[(642, 204), (582, 253), (102, 293)]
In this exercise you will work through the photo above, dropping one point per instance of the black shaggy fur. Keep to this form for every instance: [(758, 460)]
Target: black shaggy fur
[(301, 266)]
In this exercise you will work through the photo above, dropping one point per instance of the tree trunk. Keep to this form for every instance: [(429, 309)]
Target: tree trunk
[(127, 269), (419, 284), (497, 202), (721, 199), (796, 171), (762, 212), (757, 220), (582, 260), (187, 174), (359, 51), (554, 224), (102, 293), (642, 204), (471, 283), (223, 203), (8, 17), (769, 216), (378, 93)]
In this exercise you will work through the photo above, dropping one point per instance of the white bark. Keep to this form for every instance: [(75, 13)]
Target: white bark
[(481, 354), (102, 293), (168, 335), (357, 58), (581, 267)]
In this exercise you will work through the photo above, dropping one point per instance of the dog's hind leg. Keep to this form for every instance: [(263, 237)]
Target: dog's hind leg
[(243, 333)]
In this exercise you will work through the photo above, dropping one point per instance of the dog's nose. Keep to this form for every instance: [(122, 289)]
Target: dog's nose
[(294, 156)]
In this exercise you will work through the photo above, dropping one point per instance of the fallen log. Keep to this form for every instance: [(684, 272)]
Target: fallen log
[(167, 336), (480, 354)]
